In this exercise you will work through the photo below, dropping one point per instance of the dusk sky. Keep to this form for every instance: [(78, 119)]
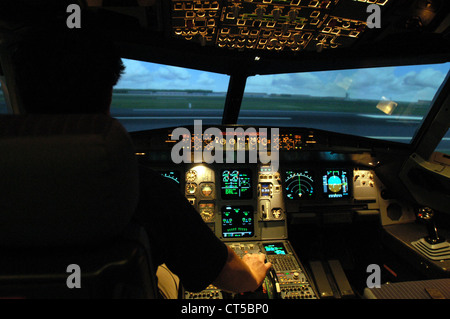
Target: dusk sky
[(144, 75), (406, 83)]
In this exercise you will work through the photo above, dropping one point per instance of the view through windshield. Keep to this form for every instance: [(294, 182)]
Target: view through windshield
[(3, 108), (150, 96), (383, 103)]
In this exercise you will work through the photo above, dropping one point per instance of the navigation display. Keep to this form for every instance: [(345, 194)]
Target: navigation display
[(299, 184), (236, 184), (237, 221), (335, 183)]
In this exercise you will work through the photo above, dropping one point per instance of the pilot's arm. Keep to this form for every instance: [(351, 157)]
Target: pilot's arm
[(242, 275), (181, 239)]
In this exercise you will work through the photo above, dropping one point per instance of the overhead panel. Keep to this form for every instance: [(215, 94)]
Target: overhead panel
[(274, 25)]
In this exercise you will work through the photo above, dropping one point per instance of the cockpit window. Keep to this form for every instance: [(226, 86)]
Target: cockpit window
[(444, 145), (386, 103), (150, 96), (3, 108)]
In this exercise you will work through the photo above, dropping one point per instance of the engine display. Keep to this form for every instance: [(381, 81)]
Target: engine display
[(236, 184), (299, 184), (237, 221), (335, 184)]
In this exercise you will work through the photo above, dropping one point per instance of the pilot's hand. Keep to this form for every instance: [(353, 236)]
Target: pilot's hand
[(258, 266)]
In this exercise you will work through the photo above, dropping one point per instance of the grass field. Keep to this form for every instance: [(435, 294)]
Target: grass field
[(142, 101), (136, 101)]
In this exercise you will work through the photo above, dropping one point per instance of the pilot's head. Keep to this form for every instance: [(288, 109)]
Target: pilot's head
[(62, 70)]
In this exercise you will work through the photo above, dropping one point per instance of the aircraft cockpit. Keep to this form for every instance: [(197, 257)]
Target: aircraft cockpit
[(314, 132)]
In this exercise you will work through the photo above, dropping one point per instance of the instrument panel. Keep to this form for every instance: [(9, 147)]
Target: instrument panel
[(250, 204), (252, 201), (248, 207), (286, 280), (248, 140), (271, 25), (290, 143), (316, 170)]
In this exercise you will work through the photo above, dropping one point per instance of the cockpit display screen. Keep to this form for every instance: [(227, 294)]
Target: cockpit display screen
[(237, 221), (236, 184), (174, 176), (299, 184), (335, 183), (275, 249)]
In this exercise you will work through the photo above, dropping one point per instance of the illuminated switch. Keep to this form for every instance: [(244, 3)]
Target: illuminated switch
[(245, 32), (254, 33), (178, 6), (315, 14), (215, 5)]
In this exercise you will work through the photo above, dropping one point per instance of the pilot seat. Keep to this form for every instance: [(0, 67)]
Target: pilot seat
[(69, 188)]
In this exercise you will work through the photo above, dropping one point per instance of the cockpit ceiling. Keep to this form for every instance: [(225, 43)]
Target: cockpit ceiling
[(293, 35), (261, 36), (278, 25)]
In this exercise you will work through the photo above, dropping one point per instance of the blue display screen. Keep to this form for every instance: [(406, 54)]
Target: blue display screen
[(335, 183)]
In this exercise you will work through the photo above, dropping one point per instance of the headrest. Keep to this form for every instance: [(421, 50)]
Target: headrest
[(65, 179)]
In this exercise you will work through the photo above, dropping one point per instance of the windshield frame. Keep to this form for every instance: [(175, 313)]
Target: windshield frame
[(435, 125)]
